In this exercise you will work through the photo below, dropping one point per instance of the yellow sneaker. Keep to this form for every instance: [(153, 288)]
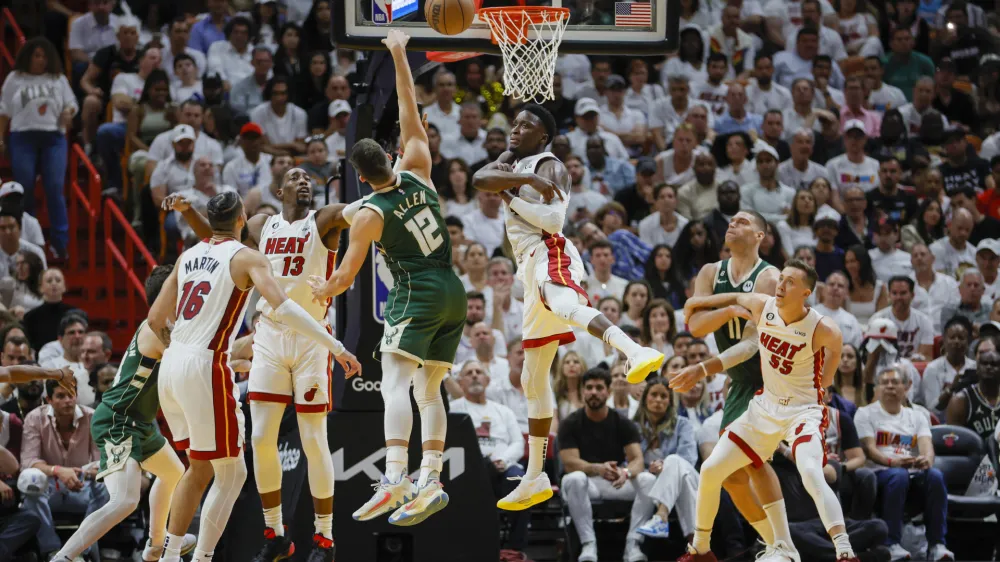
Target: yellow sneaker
[(528, 493), (645, 362)]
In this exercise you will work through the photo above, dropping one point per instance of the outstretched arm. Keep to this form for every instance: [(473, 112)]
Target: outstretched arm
[(366, 228), (18, 374), (686, 379), (163, 312), (412, 136)]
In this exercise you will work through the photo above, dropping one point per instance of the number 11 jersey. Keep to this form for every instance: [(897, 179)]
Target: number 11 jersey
[(296, 252)]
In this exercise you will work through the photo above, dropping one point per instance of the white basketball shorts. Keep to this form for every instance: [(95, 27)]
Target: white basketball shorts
[(554, 260), (290, 368)]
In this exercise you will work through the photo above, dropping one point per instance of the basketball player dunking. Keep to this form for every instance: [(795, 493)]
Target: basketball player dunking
[(196, 315), (289, 367), (535, 187), (799, 355)]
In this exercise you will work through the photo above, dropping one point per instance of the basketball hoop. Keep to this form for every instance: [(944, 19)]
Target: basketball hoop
[(448, 56), (529, 38)]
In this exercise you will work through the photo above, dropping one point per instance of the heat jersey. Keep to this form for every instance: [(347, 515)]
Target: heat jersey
[(792, 369), (523, 235), (296, 252), (209, 304)]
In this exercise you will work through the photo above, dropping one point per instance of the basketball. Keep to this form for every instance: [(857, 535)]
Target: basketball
[(449, 17)]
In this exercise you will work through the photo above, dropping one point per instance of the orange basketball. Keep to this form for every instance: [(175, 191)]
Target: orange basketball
[(449, 17)]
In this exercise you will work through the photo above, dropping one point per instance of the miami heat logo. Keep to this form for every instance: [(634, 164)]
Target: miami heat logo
[(311, 393), (43, 109), (950, 439)]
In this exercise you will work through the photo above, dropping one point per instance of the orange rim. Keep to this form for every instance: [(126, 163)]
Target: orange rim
[(449, 56), (517, 18)]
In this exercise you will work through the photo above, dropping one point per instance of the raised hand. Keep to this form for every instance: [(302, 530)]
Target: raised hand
[(396, 39), (175, 202)]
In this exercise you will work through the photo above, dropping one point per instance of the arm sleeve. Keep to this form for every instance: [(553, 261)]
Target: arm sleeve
[(742, 351), (296, 317), (546, 217), (31, 442), (848, 433)]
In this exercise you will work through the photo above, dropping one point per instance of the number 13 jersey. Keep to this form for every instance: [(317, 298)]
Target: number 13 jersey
[(792, 368), (296, 252), (209, 304)]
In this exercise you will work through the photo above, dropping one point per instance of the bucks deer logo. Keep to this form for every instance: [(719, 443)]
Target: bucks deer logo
[(117, 452)]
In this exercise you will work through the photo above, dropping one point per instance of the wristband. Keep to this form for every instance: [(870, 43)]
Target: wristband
[(53, 475)]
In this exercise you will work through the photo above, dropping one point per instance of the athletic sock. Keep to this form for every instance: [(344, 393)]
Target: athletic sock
[(324, 525), (395, 464), (536, 456), (616, 338), (201, 556), (843, 545), (764, 529), (430, 467), (702, 541), (272, 520), (172, 548), (779, 521)]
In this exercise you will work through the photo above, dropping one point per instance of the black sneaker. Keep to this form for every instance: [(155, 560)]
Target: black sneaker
[(275, 547), (323, 549)]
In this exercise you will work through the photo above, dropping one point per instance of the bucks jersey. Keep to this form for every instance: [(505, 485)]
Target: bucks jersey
[(982, 417), (133, 392)]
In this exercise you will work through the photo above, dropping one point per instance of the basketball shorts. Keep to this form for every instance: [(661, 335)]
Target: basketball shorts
[(290, 368), (200, 402), (766, 423), (120, 437), (553, 260), (425, 316)]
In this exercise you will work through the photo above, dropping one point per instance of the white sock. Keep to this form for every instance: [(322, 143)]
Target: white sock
[(779, 521), (430, 467), (616, 338), (201, 556), (324, 525), (395, 463), (764, 529), (272, 519), (843, 545), (172, 548), (536, 456), (702, 541)]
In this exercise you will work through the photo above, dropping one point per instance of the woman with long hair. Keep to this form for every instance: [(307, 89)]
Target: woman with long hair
[(620, 399), (823, 194), (21, 291), (695, 404), (926, 228), (670, 451), (658, 327), (797, 229), (38, 104), (566, 383), (858, 28), (675, 166), (153, 114), (316, 30), (267, 21), (475, 265), (696, 246), (288, 57), (735, 157), (866, 294), (690, 59), (457, 195), (311, 86), (771, 248), (635, 298), (664, 278), (847, 393)]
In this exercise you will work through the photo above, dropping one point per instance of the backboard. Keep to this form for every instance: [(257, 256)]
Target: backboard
[(595, 27)]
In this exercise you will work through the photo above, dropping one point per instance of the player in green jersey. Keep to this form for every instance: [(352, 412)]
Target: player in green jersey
[(124, 430), (425, 313), (762, 505)]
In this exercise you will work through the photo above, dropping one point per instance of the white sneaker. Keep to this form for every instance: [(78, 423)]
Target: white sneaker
[(655, 528), (779, 552), (430, 500), (940, 552), (151, 553), (388, 496), (897, 552), (633, 552), (639, 367), (528, 493), (588, 552)]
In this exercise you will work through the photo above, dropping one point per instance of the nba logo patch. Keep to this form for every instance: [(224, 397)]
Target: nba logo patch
[(381, 12), (748, 286)]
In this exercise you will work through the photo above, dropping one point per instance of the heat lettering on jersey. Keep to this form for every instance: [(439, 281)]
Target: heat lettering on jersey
[(415, 199), (203, 263), (777, 346), (286, 245)]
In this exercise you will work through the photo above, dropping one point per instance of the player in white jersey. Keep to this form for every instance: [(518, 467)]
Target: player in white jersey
[(535, 187), (799, 354), (289, 367), (197, 315)]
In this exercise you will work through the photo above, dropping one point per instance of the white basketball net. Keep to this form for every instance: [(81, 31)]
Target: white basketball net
[(529, 49)]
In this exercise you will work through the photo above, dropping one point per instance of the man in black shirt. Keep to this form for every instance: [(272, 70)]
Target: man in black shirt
[(728, 196), (42, 322), (595, 443), (962, 169), (954, 104), (983, 226), (896, 202), (638, 199), (318, 119), (963, 43), (829, 257)]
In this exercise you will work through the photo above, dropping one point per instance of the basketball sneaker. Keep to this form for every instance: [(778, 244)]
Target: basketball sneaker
[(692, 556), (151, 553), (275, 547), (388, 496), (528, 493), (430, 500), (323, 549), (940, 552), (655, 528), (645, 362), (779, 552)]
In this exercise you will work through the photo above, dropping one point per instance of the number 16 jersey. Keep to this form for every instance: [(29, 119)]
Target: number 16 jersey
[(209, 304), (296, 252)]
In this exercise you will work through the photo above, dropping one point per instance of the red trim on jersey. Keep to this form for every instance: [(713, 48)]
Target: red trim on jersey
[(312, 408), (820, 392), (224, 405), (182, 445), (747, 450), (559, 263), (800, 440), (563, 339), (269, 397), (331, 263), (329, 379), (220, 342)]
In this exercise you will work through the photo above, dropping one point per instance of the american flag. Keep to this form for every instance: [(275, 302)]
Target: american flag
[(634, 14)]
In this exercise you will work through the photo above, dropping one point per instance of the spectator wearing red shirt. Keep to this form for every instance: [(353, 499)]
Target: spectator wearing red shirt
[(989, 200)]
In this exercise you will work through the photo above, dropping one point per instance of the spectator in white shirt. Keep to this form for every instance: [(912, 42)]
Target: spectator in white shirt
[(588, 123), (763, 93), (801, 114), (508, 312), (38, 104), (336, 139), (629, 124), (230, 59), (90, 32), (201, 192), (476, 308), (574, 71), (71, 333), (641, 95), (248, 93), (584, 200), (10, 239), (827, 97), (923, 99), (664, 225), (98, 78), (602, 283), (792, 65), (597, 88), (854, 168), (188, 84), (768, 196), (954, 251), (832, 305), (799, 228), (12, 193), (915, 339), (940, 374), (713, 91), (888, 260), (179, 34), (881, 96), (176, 173), (799, 171), (251, 168), (284, 123), (669, 112), (468, 142), (811, 15), (483, 342), (933, 290), (191, 113), (485, 224), (444, 113)]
